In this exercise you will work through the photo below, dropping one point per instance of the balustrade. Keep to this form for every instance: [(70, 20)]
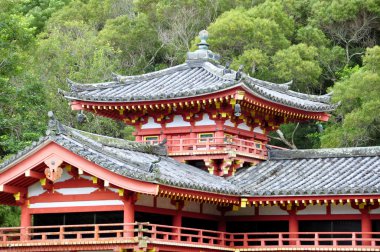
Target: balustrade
[(191, 146), (186, 236)]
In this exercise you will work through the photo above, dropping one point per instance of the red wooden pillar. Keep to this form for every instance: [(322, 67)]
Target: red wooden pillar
[(129, 215), (193, 140), (293, 226), (219, 133), (25, 221), (177, 219), (366, 226), (222, 225)]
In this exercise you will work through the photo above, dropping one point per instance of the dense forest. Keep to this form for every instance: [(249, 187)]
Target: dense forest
[(322, 45)]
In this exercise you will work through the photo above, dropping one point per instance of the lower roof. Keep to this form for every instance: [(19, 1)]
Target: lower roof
[(287, 172), (314, 172)]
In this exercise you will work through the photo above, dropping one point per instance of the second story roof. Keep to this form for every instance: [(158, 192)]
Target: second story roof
[(200, 75)]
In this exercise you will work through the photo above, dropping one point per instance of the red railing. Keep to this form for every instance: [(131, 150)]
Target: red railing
[(183, 237), (194, 146)]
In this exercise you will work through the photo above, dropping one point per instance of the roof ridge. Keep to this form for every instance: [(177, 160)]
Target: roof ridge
[(284, 88), (14, 157), (125, 79), (325, 153), (120, 143)]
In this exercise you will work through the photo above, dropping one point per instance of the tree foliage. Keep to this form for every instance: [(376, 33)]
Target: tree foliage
[(359, 119)]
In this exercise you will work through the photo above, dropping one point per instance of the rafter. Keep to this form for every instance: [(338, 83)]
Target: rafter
[(34, 174)]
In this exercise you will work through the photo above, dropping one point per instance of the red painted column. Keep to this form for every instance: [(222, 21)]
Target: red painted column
[(219, 133), (366, 226), (129, 215), (177, 219), (293, 226), (222, 225), (25, 221)]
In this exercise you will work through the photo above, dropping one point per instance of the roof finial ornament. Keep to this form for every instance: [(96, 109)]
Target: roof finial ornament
[(203, 35), (227, 69), (52, 125), (239, 72), (81, 118)]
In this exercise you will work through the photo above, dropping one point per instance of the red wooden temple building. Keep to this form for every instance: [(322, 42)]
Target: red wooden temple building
[(200, 175)]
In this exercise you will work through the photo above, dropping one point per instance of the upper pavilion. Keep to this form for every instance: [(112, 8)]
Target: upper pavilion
[(209, 116)]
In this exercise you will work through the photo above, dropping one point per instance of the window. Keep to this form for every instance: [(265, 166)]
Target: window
[(151, 139), (203, 137), (228, 138), (258, 145)]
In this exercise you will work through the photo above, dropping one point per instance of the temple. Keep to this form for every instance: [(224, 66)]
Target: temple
[(200, 176)]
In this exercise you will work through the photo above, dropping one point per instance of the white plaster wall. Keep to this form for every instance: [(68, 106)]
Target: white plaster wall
[(229, 123), (246, 211), (86, 177), (77, 203), (205, 121), (76, 191), (35, 190), (210, 209), (165, 203), (113, 189), (258, 130), (177, 122), (375, 211), (191, 207), (151, 124), (244, 126), (313, 209), (271, 210), (145, 200), (65, 176), (343, 209)]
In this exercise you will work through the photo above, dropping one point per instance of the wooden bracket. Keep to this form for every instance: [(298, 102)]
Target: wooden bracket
[(34, 174)]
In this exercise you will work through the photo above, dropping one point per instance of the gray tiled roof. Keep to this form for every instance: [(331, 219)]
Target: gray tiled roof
[(131, 159), (287, 172), (193, 78), (308, 172)]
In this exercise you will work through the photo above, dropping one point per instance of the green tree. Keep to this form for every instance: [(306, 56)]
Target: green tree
[(358, 117), (298, 63), (352, 24), (39, 11), (236, 31), (135, 38)]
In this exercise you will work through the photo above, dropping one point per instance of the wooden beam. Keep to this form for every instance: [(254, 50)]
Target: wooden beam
[(11, 189), (34, 174)]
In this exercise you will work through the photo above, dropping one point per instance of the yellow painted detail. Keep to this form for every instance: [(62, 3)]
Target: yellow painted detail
[(68, 168), (94, 180), (289, 206), (17, 196), (232, 101), (243, 202), (120, 192), (235, 208), (43, 181)]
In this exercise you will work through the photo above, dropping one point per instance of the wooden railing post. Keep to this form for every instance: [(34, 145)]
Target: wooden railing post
[(316, 239), (61, 232), (96, 232), (280, 240), (245, 240)]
